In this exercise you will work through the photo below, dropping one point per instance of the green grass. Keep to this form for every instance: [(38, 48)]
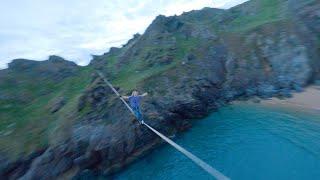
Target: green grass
[(130, 75), (111, 63), (268, 11), (32, 120), (185, 46), (130, 79)]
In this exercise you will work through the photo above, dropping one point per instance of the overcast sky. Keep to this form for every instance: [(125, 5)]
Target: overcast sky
[(75, 29)]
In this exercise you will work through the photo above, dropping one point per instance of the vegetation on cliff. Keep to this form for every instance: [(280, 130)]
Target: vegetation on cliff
[(190, 65)]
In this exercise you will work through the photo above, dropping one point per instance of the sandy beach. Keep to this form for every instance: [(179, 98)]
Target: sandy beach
[(308, 99)]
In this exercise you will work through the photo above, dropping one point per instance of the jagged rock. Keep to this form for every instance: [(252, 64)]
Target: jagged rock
[(85, 175), (297, 88), (255, 100), (83, 162), (62, 166), (203, 32), (266, 90), (57, 104), (251, 91), (114, 50), (22, 64), (19, 167), (285, 93), (46, 157)]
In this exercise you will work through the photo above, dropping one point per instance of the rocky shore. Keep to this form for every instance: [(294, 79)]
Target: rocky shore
[(306, 100)]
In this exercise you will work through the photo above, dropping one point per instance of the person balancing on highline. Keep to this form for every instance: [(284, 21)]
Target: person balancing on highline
[(134, 101)]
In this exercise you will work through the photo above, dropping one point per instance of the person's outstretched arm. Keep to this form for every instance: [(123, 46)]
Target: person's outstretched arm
[(144, 94), (125, 97)]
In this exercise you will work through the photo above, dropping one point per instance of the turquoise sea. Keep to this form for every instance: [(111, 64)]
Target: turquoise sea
[(243, 141)]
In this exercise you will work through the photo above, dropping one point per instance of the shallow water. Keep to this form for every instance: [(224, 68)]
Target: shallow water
[(242, 141)]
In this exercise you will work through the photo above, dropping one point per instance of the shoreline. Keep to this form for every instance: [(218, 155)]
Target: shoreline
[(308, 99)]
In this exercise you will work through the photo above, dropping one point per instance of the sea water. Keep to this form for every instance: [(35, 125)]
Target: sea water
[(243, 141)]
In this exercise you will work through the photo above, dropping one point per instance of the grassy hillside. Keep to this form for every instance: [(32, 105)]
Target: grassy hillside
[(136, 69), (256, 13), (25, 124), (127, 71)]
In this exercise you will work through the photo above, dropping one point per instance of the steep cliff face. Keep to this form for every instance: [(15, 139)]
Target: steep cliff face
[(190, 65)]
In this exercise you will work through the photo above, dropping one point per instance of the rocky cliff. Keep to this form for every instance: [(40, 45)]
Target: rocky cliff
[(190, 64)]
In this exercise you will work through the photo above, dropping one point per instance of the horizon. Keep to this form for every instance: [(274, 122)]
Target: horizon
[(77, 40)]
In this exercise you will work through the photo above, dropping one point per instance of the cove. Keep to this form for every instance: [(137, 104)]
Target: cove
[(243, 141)]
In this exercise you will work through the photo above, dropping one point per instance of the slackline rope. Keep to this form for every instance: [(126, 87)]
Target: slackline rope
[(212, 171)]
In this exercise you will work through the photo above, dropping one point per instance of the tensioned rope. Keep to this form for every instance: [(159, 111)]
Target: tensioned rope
[(212, 171)]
